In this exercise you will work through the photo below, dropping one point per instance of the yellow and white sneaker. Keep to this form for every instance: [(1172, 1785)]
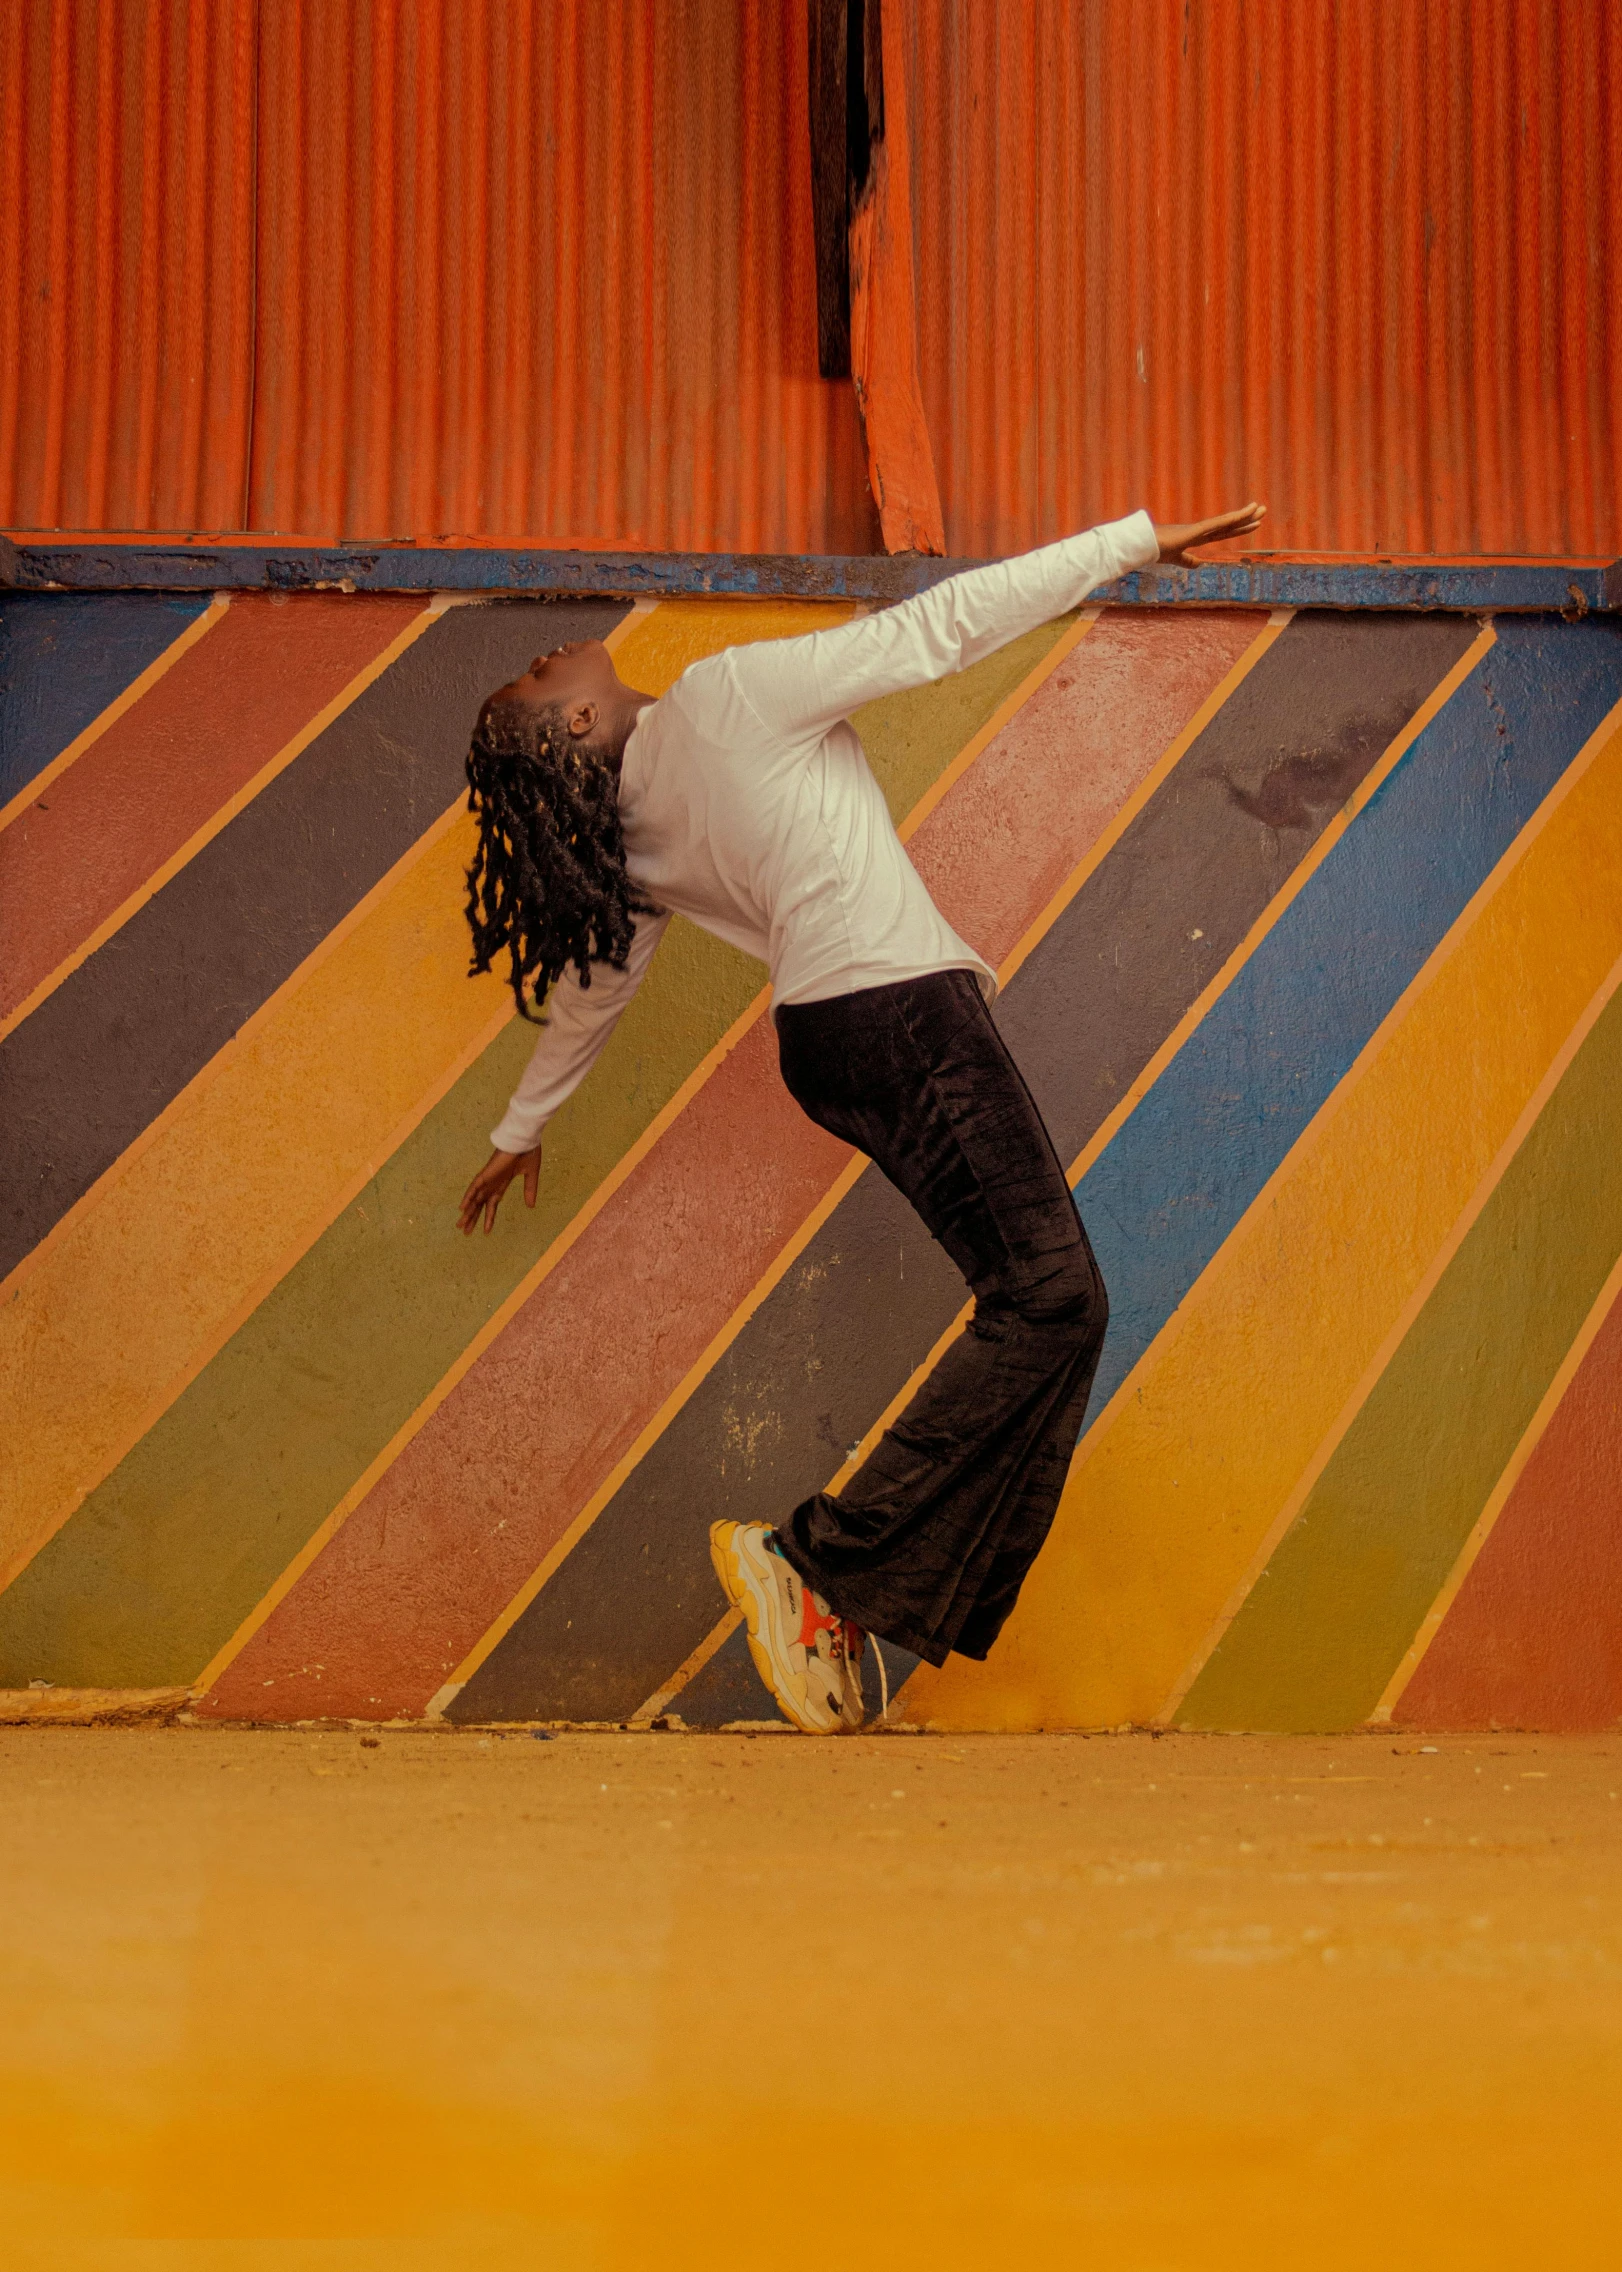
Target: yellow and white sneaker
[(808, 1657)]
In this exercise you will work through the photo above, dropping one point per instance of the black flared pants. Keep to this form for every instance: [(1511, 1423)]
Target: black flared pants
[(929, 1542)]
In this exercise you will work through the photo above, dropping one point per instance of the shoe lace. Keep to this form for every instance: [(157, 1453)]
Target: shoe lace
[(847, 1639), (855, 1641)]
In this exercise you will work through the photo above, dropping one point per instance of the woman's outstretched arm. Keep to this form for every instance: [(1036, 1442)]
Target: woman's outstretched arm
[(801, 685)]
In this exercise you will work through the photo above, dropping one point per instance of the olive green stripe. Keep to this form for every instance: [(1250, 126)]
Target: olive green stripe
[(1326, 1624), (167, 1556)]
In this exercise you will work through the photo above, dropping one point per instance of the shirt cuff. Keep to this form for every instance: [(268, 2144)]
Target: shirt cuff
[(518, 1134), (1135, 542)]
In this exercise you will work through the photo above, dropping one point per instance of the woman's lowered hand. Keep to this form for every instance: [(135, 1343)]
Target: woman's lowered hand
[(484, 1194)]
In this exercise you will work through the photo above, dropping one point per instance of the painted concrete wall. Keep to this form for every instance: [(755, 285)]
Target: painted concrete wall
[(1311, 929)]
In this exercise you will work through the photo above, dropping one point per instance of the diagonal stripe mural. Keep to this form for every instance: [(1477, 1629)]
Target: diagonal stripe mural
[(1306, 927), (1317, 1638), (1085, 1012), (1205, 1450), (1530, 1630), (171, 771)]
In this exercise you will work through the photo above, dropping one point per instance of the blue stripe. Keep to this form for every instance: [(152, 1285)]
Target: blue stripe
[(1171, 1186), (64, 658)]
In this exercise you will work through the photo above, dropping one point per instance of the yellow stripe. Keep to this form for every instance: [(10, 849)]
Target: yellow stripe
[(199, 626), (226, 813), (261, 1152), (1188, 1476), (1397, 1332), (1607, 1299)]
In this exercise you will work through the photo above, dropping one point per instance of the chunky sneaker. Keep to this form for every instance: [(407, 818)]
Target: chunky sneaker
[(808, 1657)]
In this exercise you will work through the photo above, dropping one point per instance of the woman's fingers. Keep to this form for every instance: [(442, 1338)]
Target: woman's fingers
[(1239, 522), (485, 1193), (482, 1196), (1178, 538)]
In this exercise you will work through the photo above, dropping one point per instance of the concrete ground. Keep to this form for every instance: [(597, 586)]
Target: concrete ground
[(329, 2000)]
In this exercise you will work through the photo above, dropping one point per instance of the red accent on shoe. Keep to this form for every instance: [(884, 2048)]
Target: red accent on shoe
[(814, 1621)]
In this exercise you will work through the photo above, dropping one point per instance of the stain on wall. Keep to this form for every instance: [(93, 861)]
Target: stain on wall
[(1310, 932)]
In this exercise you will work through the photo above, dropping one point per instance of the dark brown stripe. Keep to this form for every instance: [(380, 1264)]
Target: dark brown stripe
[(118, 1040), (872, 1293)]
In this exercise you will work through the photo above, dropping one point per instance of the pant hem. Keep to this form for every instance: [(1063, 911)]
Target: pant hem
[(933, 1650)]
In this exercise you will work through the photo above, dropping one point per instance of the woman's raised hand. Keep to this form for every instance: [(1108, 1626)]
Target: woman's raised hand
[(1178, 538)]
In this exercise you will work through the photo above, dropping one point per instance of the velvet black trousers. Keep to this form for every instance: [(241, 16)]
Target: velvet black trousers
[(929, 1542)]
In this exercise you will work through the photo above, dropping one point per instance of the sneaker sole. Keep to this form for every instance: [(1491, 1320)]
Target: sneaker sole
[(735, 1584)]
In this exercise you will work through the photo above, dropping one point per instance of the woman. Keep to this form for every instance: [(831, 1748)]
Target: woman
[(742, 799)]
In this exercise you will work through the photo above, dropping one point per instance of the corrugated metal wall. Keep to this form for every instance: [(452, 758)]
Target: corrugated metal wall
[(543, 269), (1358, 257), (126, 262), (477, 266)]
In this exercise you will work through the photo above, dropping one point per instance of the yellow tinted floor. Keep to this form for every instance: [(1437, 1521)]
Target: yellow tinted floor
[(288, 2000)]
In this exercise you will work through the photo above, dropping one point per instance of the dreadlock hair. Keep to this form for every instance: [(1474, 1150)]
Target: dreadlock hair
[(548, 882)]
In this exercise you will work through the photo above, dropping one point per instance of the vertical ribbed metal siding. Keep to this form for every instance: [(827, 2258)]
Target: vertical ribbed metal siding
[(542, 269), (126, 262), (536, 271), (546, 273), (1359, 257)]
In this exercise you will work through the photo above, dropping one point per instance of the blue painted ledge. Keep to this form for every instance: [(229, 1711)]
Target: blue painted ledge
[(80, 564)]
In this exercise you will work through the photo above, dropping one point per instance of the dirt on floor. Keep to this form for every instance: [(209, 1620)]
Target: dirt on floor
[(345, 2001)]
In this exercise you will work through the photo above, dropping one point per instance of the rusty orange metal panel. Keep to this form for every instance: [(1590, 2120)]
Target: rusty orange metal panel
[(1359, 257), (545, 273), (126, 262), (541, 271)]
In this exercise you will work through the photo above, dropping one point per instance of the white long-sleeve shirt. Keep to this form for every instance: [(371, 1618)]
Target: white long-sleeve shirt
[(748, 805)]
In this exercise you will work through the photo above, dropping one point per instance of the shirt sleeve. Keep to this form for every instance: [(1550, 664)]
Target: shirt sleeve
[(800, 685), (579, 1020)]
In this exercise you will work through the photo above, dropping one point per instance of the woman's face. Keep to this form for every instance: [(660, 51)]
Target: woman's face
[(573, 677)]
